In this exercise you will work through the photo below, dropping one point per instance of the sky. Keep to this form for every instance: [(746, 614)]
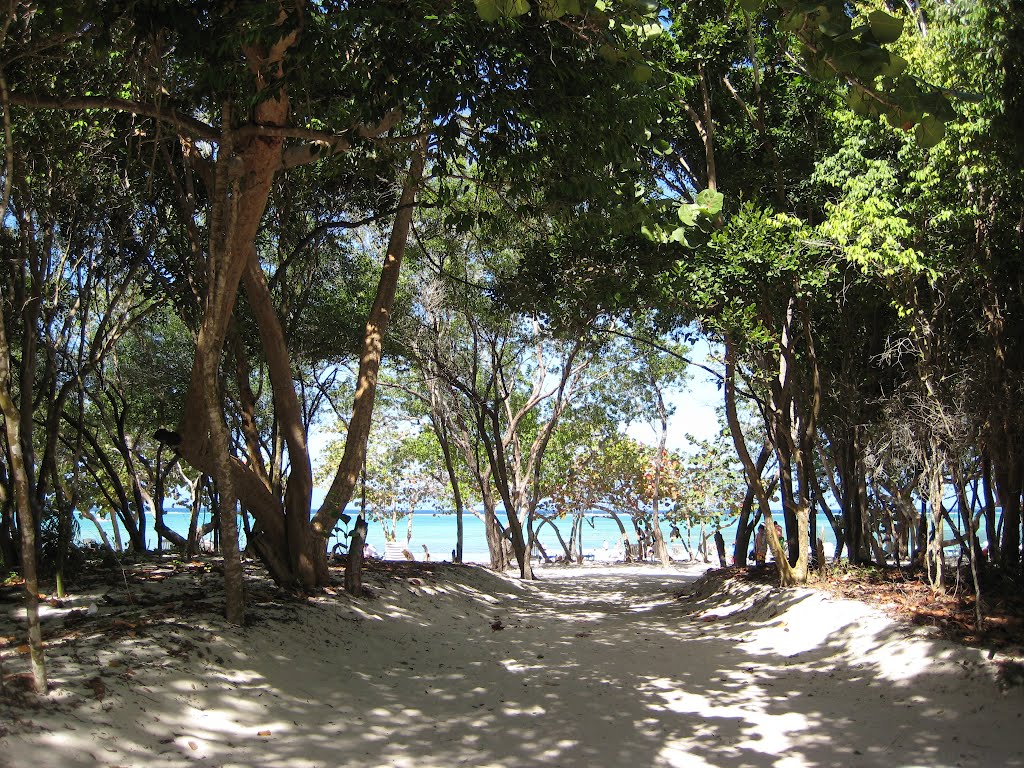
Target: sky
[(693, 414), (693, 405)]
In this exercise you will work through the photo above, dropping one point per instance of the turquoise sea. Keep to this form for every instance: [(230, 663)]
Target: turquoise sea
[(437, 532)]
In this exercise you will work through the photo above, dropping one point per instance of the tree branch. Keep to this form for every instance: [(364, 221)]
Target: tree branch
[(667, 350), (739, 99), (320, 144), (186, 124)]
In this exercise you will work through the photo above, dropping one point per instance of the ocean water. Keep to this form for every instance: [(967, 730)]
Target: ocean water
[(437, 533)]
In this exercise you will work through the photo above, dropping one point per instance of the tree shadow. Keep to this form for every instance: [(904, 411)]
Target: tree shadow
[(461, 666)]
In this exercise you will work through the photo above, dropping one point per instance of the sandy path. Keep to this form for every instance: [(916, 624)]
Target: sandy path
[(599, 667)]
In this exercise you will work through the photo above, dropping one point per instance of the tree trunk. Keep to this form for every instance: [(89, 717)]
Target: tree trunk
[(244, 175), (8, 547), (830, 477), (23, 503), (806, 429), (627, 547), (989, 508), (247, 407), (720, 548), (934, 559), (193, 524), (159, 525), (120, 502), (13, 416), (566, 548), (746, 523), (354, 562), (205, 434), (660, 548), (234, 588), (122, 443), (1009, 486), (868, 539), (90, 515), (788, 497), (437, 419), (495, 534), (786, 575), (574, 550), (519, 546), (303, 560), (854, 512), (921, 536), (64, 507), (489, 430), (352, 460)]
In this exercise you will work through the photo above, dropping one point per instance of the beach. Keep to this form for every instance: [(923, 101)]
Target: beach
[(442, 665)]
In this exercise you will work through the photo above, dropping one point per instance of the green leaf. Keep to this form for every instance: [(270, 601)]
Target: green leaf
[(885, 28), (793, 22), (857, 102), (835, 27), (516, 7), (645, 31), (688, 213), (642, 73), (751, 6), (654, 235), (930, 131), (904, 119), (488, 9), (710, 201), (851, 33), (936, 103), (611, 53), (817, 68), (493, 10), (551, 9), (896, 66), (679, 236)]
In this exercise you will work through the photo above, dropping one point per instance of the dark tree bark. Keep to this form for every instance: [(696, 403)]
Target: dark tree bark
[(14, 426), (747, 522), (354, 562), (23, 502), (989, 507)]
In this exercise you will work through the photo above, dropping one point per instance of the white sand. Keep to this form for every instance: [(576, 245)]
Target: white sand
[(592, 666)]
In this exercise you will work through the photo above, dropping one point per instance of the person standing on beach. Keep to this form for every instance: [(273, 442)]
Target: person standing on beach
[(760, 545)]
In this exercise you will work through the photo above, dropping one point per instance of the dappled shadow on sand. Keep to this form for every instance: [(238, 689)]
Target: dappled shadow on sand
[(459, 666)]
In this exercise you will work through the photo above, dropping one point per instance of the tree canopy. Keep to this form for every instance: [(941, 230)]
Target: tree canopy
[(231, 227)]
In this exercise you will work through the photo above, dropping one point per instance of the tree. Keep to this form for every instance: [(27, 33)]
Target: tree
[(616, 476), (711, 487), (916, 216), (229, 127), (657, 370)]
